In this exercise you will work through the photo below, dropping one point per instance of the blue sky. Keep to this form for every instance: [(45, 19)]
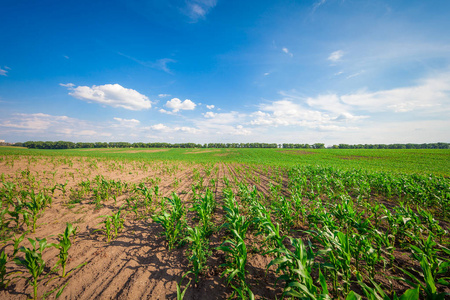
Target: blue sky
[(331, 71)]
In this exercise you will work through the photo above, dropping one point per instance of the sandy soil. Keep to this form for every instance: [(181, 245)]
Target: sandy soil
[(137, 264)]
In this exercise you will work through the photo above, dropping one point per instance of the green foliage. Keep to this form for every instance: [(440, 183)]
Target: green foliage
[(198, 249), (33, 261), (63, 246), (113, 224), (173, 221)]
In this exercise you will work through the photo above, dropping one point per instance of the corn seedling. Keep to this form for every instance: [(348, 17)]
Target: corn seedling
[(33, 261), (198, 250), (236, 256), (173, 221), (63, 246)]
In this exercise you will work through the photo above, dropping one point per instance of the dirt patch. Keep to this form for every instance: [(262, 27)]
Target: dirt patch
[(223, 154), (99, 149), (298, 152), (201, 151), (351, 157), (143, 151)]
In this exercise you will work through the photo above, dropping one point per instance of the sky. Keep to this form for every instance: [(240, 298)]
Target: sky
[(227, 71)]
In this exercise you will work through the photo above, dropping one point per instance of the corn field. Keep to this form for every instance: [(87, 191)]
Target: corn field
[(106, 228)]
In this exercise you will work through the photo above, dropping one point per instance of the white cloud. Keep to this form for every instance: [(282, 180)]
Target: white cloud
[(209, 114), (285, 113), (68, 85), (286, 50), (240, 130), (210, 106), (33, 122), (176, 105), (187, 129), (40, 126), (329, 102), (336, 56), (197, 9), (431, 92), (110, 94), (266, 74), (220, 118), (159, 127), (163, 95), (355, 74), (163, 111), (127, 122), (4, 72)]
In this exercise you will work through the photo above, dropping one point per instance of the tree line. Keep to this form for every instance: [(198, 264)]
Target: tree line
[(72, 145)]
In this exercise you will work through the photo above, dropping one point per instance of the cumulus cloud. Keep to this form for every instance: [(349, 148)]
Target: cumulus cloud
[(176, 105), (159, 127), (127, 122), (163, 111), (209, 114), (210, 106), (113, 95), (286, 112), (429, 99), (163, 95), (220, 118), (336, 56)]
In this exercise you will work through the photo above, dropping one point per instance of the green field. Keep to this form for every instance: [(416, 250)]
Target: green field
[(243, 223), (427, 161)]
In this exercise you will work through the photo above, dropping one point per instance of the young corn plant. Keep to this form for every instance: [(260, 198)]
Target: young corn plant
[(63, 246), (117, 222), (297, 267), (377, 293), (33, 261), (148, 196), (37, 203), (429, 285), (18, 212), (107, 230), (236, 259), (4, 275), (205, 207), (198, 250), (173, 221), (338, 251)]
